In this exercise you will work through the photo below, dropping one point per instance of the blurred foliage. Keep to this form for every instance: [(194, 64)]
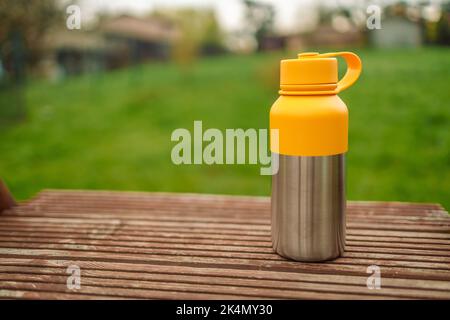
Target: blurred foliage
[(22, 26), (199, 33), (112, 131), (259, 20), (443, 26)]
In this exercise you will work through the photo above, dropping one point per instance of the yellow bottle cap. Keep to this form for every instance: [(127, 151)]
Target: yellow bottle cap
[(314, 73)]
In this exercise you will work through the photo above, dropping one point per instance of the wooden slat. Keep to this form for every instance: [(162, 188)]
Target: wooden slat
[(187, 246)]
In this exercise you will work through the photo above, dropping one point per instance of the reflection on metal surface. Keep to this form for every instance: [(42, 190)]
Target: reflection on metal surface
[(308, 207)]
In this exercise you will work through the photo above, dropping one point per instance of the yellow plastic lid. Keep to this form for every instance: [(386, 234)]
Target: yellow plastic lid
[(314, 73), (308, 69)]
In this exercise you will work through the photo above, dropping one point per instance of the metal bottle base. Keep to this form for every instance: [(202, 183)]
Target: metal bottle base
[(308, 207)]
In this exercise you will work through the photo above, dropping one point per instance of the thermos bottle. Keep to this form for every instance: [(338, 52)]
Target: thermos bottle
[(308, 191)]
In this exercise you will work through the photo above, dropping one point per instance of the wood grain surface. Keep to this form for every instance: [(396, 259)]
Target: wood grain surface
[(189, 246)]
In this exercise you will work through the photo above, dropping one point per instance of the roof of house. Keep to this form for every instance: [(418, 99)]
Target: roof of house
[(144, 29)]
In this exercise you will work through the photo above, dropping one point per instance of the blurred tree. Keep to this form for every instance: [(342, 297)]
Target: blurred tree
[(260, 19), (22, 26), (443, 26), (199, 33), (212, 42)]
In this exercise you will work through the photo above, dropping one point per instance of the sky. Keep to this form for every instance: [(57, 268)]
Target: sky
[(290, 14), (230, 13)]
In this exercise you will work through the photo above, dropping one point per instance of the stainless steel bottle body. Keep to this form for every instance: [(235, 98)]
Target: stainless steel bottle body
[(308, 207)]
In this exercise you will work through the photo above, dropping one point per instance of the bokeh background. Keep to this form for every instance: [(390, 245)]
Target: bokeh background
[(94, 108)]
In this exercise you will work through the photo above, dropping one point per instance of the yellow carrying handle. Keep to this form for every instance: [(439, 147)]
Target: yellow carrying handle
[(354, 67)]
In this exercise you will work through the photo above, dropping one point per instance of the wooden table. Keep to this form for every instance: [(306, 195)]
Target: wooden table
[(186, 246)]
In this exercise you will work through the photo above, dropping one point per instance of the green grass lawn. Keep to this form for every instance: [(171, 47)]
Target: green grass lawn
[(112, 130)]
